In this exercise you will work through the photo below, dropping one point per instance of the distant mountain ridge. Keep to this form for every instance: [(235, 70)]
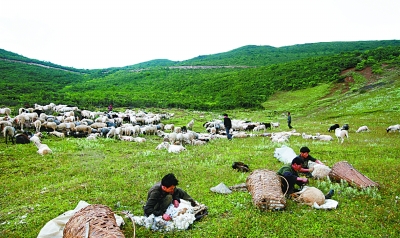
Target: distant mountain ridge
[(242, 78)]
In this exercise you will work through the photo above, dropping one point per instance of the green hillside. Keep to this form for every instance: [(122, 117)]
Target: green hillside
[(220, 86)]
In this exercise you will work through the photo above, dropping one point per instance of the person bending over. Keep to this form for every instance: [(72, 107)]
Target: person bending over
[(162, 194)]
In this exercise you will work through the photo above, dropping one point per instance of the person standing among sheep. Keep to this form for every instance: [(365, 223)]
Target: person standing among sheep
[(305, 157), (289, 120), (162, 194), (110, 108), (228, 126)]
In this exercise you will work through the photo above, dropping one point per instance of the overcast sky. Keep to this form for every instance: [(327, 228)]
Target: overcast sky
[(96, 34)]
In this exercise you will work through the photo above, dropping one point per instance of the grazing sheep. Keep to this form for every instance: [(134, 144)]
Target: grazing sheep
[(341, 134), (333, 127), (9, 133), (309, 196), (393, 128), (362, 128)]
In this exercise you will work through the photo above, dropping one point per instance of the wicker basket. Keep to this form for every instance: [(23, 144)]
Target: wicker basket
[(344, 171), (266, 190), (93, 221)]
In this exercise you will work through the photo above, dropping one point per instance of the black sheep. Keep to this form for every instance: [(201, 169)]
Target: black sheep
[(333, 127)]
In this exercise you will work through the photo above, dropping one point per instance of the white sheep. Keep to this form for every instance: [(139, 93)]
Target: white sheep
[(393, 128), (362, 128), (5, 111), (37, 124), (170, 148), (58, 134), (139, 139), (323, 137), (306, 136), (341, 134), (9, 133), (190, 125), (42, 148), (275, 124)]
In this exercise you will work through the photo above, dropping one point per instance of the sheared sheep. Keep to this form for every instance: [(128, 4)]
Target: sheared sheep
[(9, 133), (362, 128), (393, 128), (170, 148), (341, 134)]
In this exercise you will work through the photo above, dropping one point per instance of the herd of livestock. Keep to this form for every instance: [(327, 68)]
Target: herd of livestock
[(64, 120)]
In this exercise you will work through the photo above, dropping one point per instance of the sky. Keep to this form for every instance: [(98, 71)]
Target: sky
[(96, 34)]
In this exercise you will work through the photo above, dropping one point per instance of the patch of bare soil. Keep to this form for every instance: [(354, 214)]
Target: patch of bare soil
[(348, 80)]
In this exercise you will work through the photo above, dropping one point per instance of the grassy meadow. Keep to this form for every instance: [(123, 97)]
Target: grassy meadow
[(35, 189)]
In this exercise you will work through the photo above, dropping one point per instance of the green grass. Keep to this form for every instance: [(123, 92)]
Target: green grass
[(35, 189)]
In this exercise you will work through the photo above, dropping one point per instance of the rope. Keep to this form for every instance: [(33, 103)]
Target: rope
[(128, 214)]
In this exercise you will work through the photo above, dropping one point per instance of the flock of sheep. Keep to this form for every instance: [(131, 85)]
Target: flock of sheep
[(132, 126)]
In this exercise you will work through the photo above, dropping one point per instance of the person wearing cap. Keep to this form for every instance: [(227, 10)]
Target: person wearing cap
[(164, 193), (290, 173), (228, 126), (305, 156)]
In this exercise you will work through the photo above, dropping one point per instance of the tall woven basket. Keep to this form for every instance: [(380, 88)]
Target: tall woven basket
[(265, 188), (93, 221), (344, 171)]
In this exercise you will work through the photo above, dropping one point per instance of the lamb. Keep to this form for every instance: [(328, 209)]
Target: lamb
[(341, 134), (309, 196), (362, 128), (9, 133), (393, 128)]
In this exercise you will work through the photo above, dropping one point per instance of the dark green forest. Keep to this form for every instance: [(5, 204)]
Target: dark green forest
[(242, 78)]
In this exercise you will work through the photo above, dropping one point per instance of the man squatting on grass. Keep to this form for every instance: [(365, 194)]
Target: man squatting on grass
[(305, 157), (161, 195), (290, 173)]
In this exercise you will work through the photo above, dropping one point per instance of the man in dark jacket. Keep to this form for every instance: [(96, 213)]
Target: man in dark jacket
[(228, 126), (305, 156), (161, 195)]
